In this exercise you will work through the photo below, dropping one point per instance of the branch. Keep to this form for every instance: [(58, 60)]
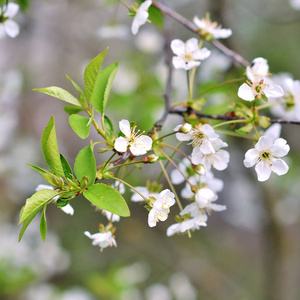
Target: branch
[(166, 10), (226, 117)]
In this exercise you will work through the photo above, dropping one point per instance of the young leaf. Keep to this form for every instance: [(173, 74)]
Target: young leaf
[(102, 87), (36, 202), (70, 109), (108, 198), (85, 165), (59, 93), (43, 224), (109, 127), (90, 74), (81, 125), (40, 170), (66, 167), (50, 149), (26, 222)]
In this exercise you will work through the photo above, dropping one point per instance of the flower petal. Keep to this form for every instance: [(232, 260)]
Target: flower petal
[(68, 209), (263, 171), (178, 47), (279, 167), (245, 92), (202, 54), (124, 126), (274, 91), (12, 10), (251, 157), (11, 28), (121, 144), (141, 145)]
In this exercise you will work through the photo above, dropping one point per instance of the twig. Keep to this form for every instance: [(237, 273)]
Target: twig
[(238, 58)]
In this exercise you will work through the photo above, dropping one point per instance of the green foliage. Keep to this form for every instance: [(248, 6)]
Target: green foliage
[(43, 224), (156, 16), (91, 73), (59, 93), (109, 128), (85, 165), (81, 125), (50, 148), (103, 86), (66, 167), (69, 109), (108, 198)]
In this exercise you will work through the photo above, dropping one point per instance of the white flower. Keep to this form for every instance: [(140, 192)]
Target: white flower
[(8, 26), (273, 131), (138, 144), (145, 192), (110, 216), (68, 209), (190, 224), (295, 4), (140, 17), (259, 84), (266, 156), (204, 198), (201, 136), (211, 30), (218, 160), (161, 207), (102, 239), (188, 54)]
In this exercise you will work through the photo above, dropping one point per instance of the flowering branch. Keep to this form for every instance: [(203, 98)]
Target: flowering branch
[(195, 29)]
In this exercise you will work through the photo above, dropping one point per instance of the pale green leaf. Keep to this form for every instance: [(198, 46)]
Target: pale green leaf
[(81, 125), (43, 224)]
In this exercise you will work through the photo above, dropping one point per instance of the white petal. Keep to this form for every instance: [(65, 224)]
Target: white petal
[(209, 131), (176, 177), (279, 167), (280, 148), (124, 126), (145, 5), (197, 156), (175, 228), (151, 218), (192, 64), (264, 143), (178, 62), (88, 234), (11, 28), (245, 92), (273, 131), (199, 23), (274, 91), (183, 136), (220, 160), (68, 209), (44, 187), (217, 207), (166, 196), (202, 54), (222, 33), (141, 145), (251, 157), (121, 144), (189, 209), (263, 171), (191, 45), (206, 147), (178, 47), (12, 10)]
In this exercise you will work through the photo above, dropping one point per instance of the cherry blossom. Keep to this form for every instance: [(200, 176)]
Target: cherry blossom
[(8, 26), (102, 239), (144, 191), (259, 84), (140, 17), (201, 136), (218, 160), (188, 54), (211, 30), (138, 144), (68, 209), (161, 207), (266, 156)]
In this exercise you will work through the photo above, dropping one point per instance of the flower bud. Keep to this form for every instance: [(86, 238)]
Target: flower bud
[(199, 169), (186, 128), (152, 158)]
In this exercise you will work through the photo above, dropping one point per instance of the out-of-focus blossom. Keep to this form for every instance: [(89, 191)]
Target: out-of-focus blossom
[(138, 144), (113, 32), (149, 41), (158, 291), (188, 54), (266, 156), (102, 239), (140, 17), (211, 30), (7, 25), (126, 80), (295, 4), (182, 287)]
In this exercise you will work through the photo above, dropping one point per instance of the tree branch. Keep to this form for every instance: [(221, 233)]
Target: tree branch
[(174, 15)]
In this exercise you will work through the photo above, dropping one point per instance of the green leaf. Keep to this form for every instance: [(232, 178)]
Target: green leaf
[(109, 127), (40, 170), (66, 167), (85, 165), (81, 125), (156, 16), (108, 198), (69, 109), (26, 222), (245, 129), (50, 148), (102, 87), (59, 93), (36, 202), (81, 98), (43, 224), (90, 74)]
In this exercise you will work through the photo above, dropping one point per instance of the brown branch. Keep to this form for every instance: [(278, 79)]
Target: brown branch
[(174, 15)]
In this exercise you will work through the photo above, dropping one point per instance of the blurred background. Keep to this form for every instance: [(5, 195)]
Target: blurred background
[(250, 251)]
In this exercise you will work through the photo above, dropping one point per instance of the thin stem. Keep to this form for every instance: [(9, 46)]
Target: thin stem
[(236, 134), (130, 186), (191, 87), (175, 149), (125, 165), (270, 104), (173, 163), (229, 122), (125, 4), (171, 185), (221, 84), (166, 135), (107, 162)]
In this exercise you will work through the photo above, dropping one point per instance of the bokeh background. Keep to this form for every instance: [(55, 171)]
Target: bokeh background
[(250, 251)]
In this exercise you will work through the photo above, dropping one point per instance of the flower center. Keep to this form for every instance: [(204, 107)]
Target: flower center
[(198, 137), (265, 155)]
